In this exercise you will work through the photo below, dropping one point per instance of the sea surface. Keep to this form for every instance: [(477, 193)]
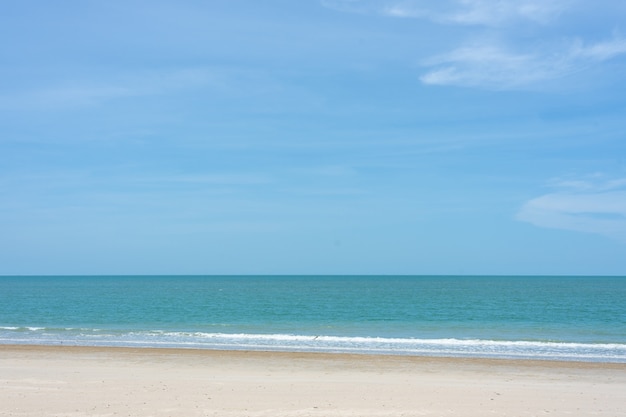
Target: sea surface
[(538, 317)]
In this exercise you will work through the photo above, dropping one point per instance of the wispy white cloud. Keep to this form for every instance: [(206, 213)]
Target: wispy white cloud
[(90, 92), (591, 205), (600, 51), (491, 65), (467, 12), (64, 96), (513, 45), (597, 182), (487, 65), (87, 182), (490, 13), (227, 179)]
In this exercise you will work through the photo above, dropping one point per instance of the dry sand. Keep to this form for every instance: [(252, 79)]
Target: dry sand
[(75, 381)]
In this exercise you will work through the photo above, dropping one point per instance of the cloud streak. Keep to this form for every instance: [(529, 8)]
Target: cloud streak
[(466, 12), (494, 66), (513, 44), (480, 12), (88, 93), (487, 12), (597, 207)]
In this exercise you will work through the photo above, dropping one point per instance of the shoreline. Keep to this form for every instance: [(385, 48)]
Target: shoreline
[(330, 351), (200, 352), (78, 381)]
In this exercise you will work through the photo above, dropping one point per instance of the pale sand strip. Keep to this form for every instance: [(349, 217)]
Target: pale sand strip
[(74, 382)]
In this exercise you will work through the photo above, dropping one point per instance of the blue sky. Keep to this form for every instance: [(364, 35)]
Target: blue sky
[(313, 137)]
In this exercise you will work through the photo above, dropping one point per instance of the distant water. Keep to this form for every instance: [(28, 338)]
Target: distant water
[(562, 318)]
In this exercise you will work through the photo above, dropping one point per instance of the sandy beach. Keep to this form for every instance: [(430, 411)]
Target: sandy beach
[(80, 381)]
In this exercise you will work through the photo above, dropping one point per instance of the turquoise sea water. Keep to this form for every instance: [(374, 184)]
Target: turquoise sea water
[(564, 318)]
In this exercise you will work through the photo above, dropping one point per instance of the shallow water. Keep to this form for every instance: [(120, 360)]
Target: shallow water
[(566, 318)]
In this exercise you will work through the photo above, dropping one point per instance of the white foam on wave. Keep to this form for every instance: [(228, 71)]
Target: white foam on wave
[(451, 347)]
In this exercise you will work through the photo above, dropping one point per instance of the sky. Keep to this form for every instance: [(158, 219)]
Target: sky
[(313, 137)]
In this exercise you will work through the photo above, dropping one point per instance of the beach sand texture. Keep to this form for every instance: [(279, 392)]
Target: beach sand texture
[(81, 381)]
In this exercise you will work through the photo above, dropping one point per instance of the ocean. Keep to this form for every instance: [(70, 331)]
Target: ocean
[(539, 317)]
